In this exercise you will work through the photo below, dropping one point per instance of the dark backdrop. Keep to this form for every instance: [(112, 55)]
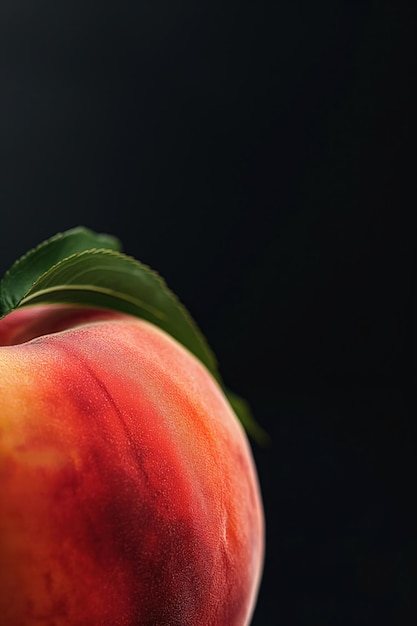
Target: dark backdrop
[(260, 156)]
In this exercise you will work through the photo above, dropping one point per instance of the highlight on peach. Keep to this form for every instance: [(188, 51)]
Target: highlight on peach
[(129, 494)]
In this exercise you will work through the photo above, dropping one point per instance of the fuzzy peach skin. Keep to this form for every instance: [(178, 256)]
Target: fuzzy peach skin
[(128, 493)]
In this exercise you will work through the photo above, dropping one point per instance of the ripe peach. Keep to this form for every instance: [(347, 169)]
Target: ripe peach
[(128, 491)]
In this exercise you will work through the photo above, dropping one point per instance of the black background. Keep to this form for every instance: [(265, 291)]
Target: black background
[(260, 156)]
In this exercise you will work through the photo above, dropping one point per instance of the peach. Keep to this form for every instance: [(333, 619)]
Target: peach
[(129, 495)]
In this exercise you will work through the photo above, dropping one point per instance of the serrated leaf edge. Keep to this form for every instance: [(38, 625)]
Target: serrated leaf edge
[(14, 268)]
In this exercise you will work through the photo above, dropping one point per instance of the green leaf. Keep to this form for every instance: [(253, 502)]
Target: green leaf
[(80, 267), (24, 272)]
